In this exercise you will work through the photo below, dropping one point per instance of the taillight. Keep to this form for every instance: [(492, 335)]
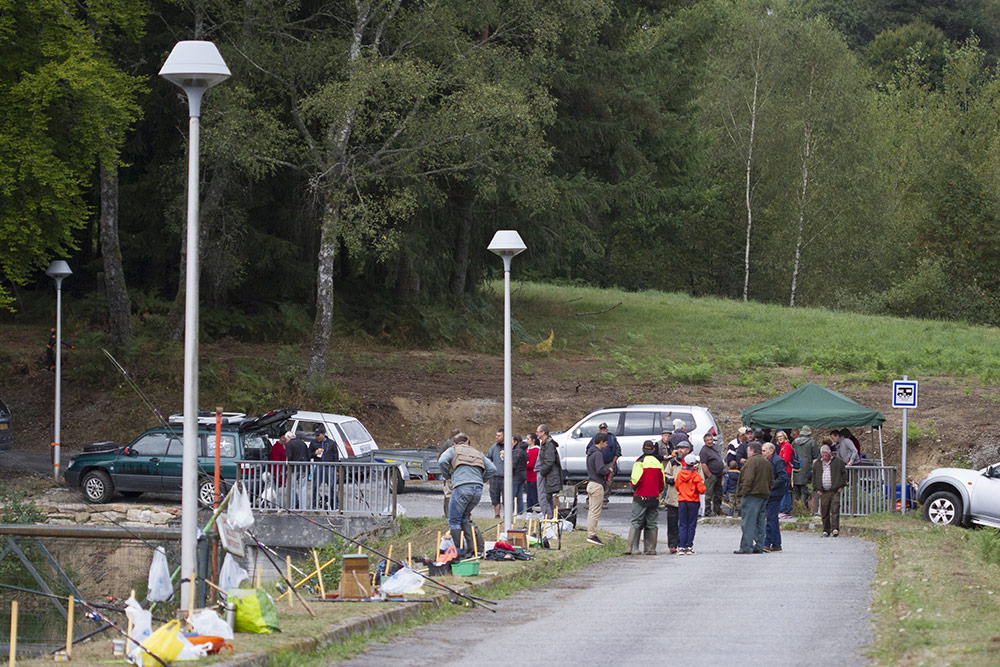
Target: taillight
[(347, 446)]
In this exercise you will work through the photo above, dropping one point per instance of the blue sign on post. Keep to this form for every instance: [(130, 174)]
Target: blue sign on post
[(904, 394)]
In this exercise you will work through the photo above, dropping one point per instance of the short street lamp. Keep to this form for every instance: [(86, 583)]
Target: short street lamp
[(57, 271), (195, 66), (507, 243)]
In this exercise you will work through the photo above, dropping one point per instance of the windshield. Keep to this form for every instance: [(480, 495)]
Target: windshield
[(355, 432), (4, 412)]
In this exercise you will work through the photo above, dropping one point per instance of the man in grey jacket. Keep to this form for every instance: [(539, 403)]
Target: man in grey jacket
[(549, 469), (495, 454), (468, 469), (808, 452)]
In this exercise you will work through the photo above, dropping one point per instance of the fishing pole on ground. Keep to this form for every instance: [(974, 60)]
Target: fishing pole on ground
[(471, 598), (277, 569), (80, 602)]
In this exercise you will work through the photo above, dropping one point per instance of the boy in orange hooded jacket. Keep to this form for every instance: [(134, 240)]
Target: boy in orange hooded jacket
[(690, 486)]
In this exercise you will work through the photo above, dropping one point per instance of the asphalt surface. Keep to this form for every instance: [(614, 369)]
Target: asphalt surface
[(808, 604)]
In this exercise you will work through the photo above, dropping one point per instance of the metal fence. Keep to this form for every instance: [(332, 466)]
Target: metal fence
[(870, 489), (308, 486)]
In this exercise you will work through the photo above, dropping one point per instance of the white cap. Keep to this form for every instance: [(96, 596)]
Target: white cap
[(691, 460)]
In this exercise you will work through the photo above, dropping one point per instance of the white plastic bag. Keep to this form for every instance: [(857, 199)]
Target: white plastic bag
[(191, 651), (402, 582), (550, 532), (566, 526), (142, 627), (207, 623), (269, 496), (231, 575), (160, 588), (239, 513)]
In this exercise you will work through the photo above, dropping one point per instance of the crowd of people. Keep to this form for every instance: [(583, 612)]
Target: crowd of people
[(757, 478)]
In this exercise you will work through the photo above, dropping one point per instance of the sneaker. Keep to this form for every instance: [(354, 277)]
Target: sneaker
[(772, 550), (825, 534), (691, 551), (674, 550), (768, 550), (784, 516), (595, 540), (835, 533)]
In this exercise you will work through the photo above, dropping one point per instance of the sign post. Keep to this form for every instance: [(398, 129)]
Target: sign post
[(904, 395)]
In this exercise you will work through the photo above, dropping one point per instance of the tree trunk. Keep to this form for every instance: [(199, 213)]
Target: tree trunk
[(802, 211), (460, 271), (119, 308), (753, 127), (323, 325)]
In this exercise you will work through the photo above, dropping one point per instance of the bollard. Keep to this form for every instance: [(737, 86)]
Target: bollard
[(13, 633), (69, 629)]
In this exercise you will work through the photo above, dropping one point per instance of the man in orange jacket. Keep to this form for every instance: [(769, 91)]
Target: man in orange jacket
[(647, 487)]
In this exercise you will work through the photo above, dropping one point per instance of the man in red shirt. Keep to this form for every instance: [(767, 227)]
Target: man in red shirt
[(647, 487)]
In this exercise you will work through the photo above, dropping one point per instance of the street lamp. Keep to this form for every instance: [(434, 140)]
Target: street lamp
[(58, 270), (195, 66), (507, 243)]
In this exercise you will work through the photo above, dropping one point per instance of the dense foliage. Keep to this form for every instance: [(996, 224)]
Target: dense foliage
[(816, 152)]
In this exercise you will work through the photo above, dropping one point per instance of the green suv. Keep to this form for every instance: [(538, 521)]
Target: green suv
[(152, 462)]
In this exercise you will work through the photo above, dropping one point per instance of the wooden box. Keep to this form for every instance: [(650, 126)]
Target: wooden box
[(355, 581)]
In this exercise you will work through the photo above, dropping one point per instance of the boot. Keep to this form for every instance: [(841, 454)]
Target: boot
[(633, 543), (472, 532), (649, 540), (456, 537)]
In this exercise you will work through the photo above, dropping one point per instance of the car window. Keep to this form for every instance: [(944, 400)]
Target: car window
[(254, 441), (667, 420), (176, 447), (4, 411), (305, 430), (355, 432), (590, 427), (154, 444), (228, 449), (640, 423)]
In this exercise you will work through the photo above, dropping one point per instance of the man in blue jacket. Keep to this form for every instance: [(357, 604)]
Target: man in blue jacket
[(772, 531), (468, 469)]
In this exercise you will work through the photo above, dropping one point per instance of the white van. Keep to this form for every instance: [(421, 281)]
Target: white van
[(632, 425), (352, 438)]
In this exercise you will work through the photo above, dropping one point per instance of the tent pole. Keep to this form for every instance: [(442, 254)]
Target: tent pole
[(880, 455)]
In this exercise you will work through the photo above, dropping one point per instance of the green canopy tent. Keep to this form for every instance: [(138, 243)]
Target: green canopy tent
[(815, 406)]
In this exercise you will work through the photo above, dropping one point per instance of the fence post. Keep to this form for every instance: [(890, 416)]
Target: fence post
[(394, 483)]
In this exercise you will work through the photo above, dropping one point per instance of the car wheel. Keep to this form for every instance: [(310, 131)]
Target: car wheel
[(97, 487), (400, 483), (206, 492), (131, 494), (943, 508)]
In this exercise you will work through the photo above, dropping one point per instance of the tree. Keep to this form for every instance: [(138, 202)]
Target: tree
[(64, 108)]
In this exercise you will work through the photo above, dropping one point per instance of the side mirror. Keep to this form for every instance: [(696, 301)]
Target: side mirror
[(578, 433), (129, 452)]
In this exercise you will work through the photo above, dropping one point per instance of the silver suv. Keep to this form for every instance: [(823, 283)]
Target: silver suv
[(632, 425)]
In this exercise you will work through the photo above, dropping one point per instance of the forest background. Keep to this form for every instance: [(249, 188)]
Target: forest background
[(834, 153)]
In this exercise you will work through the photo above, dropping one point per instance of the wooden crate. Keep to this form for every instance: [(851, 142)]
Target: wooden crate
[(355, 580)]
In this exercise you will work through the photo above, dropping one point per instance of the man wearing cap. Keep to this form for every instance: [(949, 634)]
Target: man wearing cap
[(597, 473), (663, 447), (671, 468), (712, 469), (808, 453), (829, 477), (647, 487), (756, 482), (732, 451), (680, 433), (468, 470), (611, 454)]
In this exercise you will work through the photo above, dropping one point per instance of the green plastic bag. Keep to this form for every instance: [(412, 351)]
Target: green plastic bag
[(255, 611)]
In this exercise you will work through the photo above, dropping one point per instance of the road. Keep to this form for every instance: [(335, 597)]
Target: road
[(808, 604)]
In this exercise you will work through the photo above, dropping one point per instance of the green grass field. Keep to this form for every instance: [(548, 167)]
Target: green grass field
[(654, 335)]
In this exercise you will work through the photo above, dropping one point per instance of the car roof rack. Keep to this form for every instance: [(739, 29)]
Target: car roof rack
[(208, 417)]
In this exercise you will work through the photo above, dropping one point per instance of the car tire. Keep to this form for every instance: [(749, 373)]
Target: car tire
[(943, 508), (97, 487), (131, 495), (206, 491), (400, 483)]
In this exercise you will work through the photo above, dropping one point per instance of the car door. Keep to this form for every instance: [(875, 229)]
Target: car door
[(172, 466), (985, 501), (573, 445), (227, 455), (138, 468), (637, 427)]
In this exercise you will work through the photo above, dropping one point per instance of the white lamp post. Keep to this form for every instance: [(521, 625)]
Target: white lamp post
[(195, 66), (507, 243), (57, 271)]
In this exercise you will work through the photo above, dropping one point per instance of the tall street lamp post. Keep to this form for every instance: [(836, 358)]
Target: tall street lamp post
[(507, 243), (57, 271), (195, 66)]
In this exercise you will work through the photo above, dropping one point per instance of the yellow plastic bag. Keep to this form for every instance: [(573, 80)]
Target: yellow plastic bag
[(164, 643), (255, 611)]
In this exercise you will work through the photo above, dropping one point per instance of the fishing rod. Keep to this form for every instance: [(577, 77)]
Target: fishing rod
[(135, 386), (107, 607), (471, 598), (124, 633), (277, 569)]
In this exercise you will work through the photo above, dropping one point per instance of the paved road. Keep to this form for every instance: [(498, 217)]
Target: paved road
[(806, 605)]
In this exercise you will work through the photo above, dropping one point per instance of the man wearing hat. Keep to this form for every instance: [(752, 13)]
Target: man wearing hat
[(663, 447), (671, 468), (611, 454), (742, 436), (808, 453), (647, 486)]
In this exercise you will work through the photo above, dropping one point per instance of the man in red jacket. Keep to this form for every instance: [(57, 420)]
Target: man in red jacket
[(647, 487)]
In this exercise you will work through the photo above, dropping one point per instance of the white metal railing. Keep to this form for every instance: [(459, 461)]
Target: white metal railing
[(312, 486), (870, 489)]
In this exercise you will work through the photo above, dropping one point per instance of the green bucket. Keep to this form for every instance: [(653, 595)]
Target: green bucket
[(469, 568)]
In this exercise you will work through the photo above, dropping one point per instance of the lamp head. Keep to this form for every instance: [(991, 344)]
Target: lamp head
[(58, 270), (195, 66), (506, 243)]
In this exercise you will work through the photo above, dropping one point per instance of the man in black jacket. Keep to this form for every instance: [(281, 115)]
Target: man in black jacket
[(713, 470), (829, 477)]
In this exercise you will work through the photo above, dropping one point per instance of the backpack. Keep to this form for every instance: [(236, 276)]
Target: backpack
[(796, 461)]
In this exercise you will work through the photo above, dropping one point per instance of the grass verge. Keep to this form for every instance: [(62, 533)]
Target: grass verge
[(936, 592)]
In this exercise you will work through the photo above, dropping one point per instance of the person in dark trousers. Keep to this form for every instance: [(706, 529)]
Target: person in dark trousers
[(549, 469), (732, 484), (713, 470), (531, 475), (495, 454), (756, 481), (50, 350), (690, 486), (808, 452), (780, 476), (597, 473), (468, 470), (518, 469), (298, 475), (446, 486), (671, 468), (647, 487), (329, 475), (829, 477)]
